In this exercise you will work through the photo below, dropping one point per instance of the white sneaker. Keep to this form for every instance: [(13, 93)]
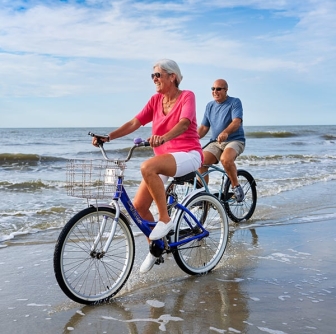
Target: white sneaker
[(148, 264), (161, 230)]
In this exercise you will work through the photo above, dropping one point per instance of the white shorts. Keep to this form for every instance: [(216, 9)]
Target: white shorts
[(186, 162)]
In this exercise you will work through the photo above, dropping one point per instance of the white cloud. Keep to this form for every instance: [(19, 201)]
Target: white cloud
[(64, 49)]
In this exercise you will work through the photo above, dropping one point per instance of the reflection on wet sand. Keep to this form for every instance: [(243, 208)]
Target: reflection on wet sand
[(190, 306), (215, 302), (274, 279)]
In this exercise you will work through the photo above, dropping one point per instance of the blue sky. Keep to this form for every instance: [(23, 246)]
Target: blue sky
[(88, 63)]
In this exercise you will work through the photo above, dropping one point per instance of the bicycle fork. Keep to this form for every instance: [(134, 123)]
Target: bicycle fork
[(93, 252)]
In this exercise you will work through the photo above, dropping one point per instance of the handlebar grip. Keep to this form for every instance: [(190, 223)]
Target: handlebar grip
[(100, 142), (141, 142), (98, 136)]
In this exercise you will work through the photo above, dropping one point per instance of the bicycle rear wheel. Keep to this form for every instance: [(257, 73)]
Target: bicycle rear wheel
[(201, 255), (88, 275), (244, 210)]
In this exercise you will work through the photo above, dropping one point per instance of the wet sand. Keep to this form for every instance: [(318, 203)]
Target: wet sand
[(274, 278)]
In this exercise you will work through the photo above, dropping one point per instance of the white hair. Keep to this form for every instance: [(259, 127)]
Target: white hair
[(170, 66)]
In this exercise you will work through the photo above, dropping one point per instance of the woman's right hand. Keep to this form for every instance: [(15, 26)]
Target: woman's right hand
[(156, 140)]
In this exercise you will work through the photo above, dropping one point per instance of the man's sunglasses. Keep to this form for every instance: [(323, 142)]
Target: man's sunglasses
[(217, 89)]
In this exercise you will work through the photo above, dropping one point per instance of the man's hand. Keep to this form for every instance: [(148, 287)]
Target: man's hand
[(223, 136)]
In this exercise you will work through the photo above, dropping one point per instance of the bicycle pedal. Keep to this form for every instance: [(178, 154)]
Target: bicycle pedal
[(229, 196), (159, 260)]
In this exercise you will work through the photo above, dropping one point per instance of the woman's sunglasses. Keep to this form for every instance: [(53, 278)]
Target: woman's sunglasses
[(157, 75)]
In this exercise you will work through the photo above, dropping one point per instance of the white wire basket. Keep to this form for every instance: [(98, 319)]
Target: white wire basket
[(93, 179)]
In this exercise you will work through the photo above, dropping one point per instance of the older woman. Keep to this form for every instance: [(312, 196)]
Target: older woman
[(175, 142)]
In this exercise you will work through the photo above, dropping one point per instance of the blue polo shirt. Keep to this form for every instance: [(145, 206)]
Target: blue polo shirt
[(218, 116)]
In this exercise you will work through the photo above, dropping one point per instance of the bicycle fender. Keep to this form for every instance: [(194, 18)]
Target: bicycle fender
[(248, 173), (194, 192)]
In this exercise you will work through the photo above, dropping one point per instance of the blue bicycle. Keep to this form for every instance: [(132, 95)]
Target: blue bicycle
[(94, 253)]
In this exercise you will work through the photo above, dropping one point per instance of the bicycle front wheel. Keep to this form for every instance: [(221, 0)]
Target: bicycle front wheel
[(84, 272), (201, 255), (241, 211)]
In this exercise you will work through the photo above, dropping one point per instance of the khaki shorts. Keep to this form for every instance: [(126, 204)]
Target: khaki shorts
[(217, 149)]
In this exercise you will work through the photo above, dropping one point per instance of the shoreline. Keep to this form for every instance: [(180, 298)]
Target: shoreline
[(310, 203)]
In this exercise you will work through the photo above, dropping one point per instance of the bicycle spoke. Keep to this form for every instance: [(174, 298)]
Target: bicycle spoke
[(201, 255)]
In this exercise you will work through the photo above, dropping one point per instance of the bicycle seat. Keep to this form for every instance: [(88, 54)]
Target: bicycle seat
[(185, 178)]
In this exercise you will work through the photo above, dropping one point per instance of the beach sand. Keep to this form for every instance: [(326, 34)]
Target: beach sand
[(275, 277)]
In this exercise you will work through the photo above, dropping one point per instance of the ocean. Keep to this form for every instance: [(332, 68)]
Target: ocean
[(33, 161)]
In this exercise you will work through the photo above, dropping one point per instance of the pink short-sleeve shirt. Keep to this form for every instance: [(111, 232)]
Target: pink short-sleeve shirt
[(184, 107)]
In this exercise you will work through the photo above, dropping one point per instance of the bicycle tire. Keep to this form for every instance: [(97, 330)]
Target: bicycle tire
[(200, 256), (239, 212), (89, 277)]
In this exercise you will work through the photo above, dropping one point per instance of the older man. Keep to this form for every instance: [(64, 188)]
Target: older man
[(224, 115)]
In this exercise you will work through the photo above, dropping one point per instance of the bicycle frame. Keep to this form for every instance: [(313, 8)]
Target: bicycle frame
[(200, 177), (146, 226), (211, 169)]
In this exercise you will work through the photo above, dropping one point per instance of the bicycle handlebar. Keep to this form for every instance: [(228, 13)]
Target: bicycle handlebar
[(138, 142), (208, 143)]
